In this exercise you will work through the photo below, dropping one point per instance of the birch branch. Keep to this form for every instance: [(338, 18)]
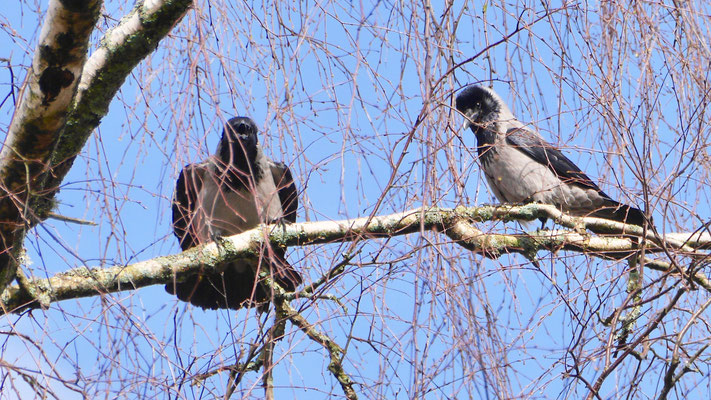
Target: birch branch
[(455, 223), (42, 148), (46, 97)]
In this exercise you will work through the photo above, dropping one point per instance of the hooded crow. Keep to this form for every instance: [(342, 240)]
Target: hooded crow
[(521, 167), (234, 190)]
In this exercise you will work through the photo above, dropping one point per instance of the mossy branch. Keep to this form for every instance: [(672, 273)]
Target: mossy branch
[(456, 223), (63, 101), (47, 95)]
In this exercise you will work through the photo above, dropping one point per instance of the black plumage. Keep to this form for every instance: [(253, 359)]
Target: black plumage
[(521, 167), (233, 191)]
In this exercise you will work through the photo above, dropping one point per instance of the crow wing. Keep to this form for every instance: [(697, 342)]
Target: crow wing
[(288, 195), (531, 144), (185, 200), (546, 154)]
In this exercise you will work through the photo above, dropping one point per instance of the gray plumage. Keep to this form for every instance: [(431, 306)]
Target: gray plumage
[(521, 167), (233, 191)]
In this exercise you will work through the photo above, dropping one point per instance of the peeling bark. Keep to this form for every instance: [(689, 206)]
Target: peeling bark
[(47, 95), (63, 102)]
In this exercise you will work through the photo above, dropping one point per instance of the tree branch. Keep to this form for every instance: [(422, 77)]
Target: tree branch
[(455, 223), (34, 163), (47, 94), (335, 351)]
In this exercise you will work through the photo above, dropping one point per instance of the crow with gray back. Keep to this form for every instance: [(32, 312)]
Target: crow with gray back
[(521, 167)]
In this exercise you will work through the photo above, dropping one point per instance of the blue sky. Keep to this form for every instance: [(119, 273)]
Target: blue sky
[(335, 96)]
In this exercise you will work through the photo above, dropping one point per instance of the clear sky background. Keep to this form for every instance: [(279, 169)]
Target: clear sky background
[(336, 89)]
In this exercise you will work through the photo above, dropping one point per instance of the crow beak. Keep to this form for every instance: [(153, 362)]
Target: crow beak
[(469, 117)]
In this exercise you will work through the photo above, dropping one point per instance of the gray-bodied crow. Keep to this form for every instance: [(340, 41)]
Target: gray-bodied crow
[(521, 167), (234, 190)]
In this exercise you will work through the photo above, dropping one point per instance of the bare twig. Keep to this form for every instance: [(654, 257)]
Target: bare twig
[(335, 351), (651, 326), (72, 220), (670, 378)]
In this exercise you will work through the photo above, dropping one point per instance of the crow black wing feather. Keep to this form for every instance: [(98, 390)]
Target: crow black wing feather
[(288, 196), (289, 199), (185, 202), (544, 153)]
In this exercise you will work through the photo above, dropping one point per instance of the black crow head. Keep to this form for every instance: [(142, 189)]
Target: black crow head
[(243, 130), (479, 105), (238, 145)]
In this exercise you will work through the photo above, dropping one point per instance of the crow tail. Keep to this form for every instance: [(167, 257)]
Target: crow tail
[(622, 213)]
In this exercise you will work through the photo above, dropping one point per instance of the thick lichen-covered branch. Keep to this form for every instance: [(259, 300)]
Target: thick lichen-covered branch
[(456, 223), (63, 102), (47, 95), (122, 48)]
